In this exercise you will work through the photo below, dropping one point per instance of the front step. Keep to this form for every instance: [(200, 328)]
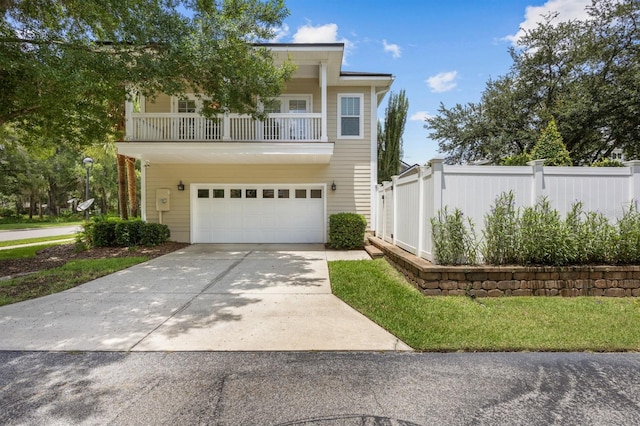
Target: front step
[(373, 251)]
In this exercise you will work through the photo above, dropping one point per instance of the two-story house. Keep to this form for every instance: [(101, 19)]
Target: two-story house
[(239, 180)]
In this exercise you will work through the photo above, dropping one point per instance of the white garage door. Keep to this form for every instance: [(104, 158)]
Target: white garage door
[(278, 213)]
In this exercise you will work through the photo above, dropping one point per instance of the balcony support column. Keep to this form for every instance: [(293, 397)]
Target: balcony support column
[(323, 102), (128, 118), (226, 127)]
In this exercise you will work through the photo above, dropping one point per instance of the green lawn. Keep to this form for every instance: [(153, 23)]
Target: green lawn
[(490, 324), (67, 276)]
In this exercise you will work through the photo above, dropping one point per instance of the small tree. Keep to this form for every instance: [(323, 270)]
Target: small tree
[(551, 148), (390, 137)]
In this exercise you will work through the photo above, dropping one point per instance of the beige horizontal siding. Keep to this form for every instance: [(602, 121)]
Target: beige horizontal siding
[(162, 103), (352, 194), (349, 168)]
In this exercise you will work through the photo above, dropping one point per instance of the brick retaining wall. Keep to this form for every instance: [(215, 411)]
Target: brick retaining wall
[(496, 281)]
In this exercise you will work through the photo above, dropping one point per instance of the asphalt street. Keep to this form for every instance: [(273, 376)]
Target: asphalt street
[(23, 234), (319, 388)]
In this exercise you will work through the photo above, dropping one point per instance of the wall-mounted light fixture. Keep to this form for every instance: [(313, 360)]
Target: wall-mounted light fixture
[(181, 186), (333, 186)]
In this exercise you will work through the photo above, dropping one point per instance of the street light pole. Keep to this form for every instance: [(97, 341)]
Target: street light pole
[(88, 163)]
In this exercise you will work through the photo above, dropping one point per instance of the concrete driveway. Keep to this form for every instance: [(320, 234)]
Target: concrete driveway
[(202, 298)]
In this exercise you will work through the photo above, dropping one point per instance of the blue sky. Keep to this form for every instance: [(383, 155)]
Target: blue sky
[(439, 51)]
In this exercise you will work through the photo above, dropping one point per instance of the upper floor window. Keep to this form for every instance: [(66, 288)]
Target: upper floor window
[(350, 116), (288, 104), (186, 105)]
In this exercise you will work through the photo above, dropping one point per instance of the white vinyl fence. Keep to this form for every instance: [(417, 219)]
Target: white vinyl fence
[(406, 205)]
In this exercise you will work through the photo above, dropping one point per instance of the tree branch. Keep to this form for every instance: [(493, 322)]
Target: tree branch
[(87, 48)]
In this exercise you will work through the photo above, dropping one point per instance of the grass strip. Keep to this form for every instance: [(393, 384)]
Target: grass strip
[(25, 252), (62, 278), (448, 323), (37, 240)]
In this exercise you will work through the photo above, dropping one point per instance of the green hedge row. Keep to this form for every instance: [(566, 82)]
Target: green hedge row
[(125, 233)]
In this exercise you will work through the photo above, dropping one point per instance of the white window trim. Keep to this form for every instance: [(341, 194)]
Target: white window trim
[(361, 124), (292, 96), (189, 96)]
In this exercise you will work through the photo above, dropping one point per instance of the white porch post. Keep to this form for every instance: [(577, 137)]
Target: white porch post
[(128, 119), (374, 158), (323, 102), (226, 127), (143, 189)]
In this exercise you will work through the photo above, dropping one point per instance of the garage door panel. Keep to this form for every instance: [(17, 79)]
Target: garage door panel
[(277, 214)]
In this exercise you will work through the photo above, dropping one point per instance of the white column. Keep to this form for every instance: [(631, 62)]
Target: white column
[(226, 127), (634, 182), (143, 189), (128, 119), (538, 180), (373, 159), (323, 102)]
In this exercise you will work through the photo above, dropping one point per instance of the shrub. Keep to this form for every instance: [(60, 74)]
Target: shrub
[(592, 239), (128, 232), (516, 160), (346, 230), (500, 231), (454, 238), (152, 234), (102, 233), (544, 238), (628, 250), (551, 147), (607, 162), (118, 233)]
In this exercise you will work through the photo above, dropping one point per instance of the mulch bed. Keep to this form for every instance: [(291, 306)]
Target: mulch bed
[(56, 256)]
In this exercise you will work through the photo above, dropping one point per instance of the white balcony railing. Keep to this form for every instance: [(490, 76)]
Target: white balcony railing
[(230, 127)]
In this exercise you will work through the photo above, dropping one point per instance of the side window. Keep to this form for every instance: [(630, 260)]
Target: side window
[(350, 116), (186, 105)]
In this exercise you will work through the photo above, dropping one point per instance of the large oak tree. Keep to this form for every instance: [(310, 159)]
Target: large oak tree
[(585, 74), (66, 66)]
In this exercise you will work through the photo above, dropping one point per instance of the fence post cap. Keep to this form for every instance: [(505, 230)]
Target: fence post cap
[(536, 162), (631, 163)]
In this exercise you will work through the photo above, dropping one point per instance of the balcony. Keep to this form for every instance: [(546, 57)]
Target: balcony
[(230, 139), (164, 127)]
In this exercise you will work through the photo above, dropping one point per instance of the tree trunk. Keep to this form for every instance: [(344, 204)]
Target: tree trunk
[(131, 187), (52, 195), (122, 187), (104, 203), (31, 206)]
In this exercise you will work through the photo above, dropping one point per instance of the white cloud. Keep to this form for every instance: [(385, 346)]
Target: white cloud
[(280, 33), (566, 9), (420, 116), (442, 82), (394, 49), (327, 33)]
